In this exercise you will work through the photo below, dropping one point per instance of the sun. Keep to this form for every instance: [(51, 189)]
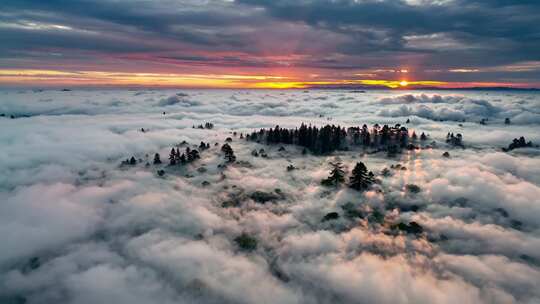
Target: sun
[(403, 83)]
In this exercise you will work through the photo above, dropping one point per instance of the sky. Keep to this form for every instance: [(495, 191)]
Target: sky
[(270, 43)]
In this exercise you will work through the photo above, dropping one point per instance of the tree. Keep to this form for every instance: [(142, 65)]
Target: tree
[(177, 158), (157, 159), (360, 178), (183, 159), (518, 143), (246, 242), (385, 135), (132, 161), (193, 155), (455, 140), (229, 153), (336, 175), (172, 157)]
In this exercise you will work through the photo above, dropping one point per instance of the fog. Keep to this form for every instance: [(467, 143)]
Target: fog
[(77, 227)]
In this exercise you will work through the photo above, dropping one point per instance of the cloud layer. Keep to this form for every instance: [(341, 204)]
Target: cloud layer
[(78, 228)]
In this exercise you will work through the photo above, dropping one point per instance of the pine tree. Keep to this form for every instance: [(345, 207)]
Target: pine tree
[(385, 136), (193, 155), (302, 135), (364, 134), (360, 178), (336, 175), (172, 157), (132, 161), (157, 159), (324, 140), (177, 155), (229, 153), (270, 136), (403, 136)]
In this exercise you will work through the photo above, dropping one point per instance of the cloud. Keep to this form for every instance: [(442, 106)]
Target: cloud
[(455, 108), (177, 100), (45, 217), (79, 228), (329, 36)]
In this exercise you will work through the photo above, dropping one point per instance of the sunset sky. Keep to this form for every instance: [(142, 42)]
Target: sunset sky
[(270, 43)]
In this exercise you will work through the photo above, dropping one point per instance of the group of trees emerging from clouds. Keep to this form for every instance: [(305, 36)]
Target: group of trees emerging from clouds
[(189, 155), (518, 143), (361, 179), (207, 125), (330, 138), (175, 156), (455, 140)]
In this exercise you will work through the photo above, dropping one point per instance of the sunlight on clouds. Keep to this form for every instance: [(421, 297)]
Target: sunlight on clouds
[(114, 78), (101, 78), (398, 83), (35, 26), (202, 80), (464, 70)]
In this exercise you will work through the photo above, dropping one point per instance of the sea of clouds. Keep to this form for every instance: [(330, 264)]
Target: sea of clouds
[(75, 227)]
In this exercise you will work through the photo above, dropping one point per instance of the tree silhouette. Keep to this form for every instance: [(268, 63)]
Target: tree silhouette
[(360, 178), (336, 175), (157, 159), (177, 155), (193, 155), (172, 157), (518, 143), (229, 153), (183, 159), (330, 138)]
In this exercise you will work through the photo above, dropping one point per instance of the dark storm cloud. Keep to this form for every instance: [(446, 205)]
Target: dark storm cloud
[(502, 19), (118, 26), (340, 35), (467, 21)]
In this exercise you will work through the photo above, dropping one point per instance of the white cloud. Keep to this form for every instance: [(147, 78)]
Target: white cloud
[(102, 233)]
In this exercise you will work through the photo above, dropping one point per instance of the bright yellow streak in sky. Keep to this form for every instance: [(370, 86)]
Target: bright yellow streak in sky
[(367, 82), (52, 77), (100, 78)]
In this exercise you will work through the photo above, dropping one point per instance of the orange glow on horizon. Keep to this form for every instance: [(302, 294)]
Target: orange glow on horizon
[(282, 79)]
